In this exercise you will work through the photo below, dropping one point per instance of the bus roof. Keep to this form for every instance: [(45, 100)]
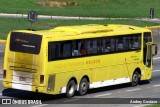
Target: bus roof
[(80, 31), (96, 28)]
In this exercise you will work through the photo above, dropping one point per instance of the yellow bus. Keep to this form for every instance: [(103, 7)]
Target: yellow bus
[(67, 59)]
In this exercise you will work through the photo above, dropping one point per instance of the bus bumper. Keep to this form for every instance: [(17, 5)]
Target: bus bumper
[(26, 87)]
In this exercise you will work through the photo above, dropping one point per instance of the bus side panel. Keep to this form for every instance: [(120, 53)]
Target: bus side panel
[(6, 65), (62, 78), (97, 68)]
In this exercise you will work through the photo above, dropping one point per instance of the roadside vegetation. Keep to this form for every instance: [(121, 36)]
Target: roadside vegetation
[(91, 8), (10, 24), (154, 105), (86, 8)]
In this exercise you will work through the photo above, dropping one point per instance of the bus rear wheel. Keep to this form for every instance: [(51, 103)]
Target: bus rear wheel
[(135, 78), (71, 87), (83, 87)]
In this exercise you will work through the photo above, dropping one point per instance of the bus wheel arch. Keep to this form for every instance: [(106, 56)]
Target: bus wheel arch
[(136, 77), (71, 87), (84, 85)]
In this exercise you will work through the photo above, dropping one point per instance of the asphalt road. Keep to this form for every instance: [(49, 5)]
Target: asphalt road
[(144, 90)]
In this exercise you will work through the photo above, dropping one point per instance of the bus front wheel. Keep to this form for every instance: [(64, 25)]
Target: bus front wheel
[(83, 87), (71, 87), (135, 78)]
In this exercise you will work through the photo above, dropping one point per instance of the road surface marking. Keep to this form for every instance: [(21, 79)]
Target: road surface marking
[(156, 58), (101, 95), (143, 105), (157, 85), (40, 105), (1, 79), (156, 70), (136, 89), (70, 100)]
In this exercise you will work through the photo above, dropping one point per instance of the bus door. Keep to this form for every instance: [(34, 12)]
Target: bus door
[(148, 63), (147, 54)]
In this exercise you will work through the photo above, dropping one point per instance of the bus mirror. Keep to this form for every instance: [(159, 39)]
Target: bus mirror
[(155, 49)]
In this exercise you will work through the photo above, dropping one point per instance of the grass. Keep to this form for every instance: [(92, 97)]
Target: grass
[(154, 105), (9, 24), (94, 8)]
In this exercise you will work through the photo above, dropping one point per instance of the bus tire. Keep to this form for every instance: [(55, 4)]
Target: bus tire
[(83, 87), (135, 78), (71, 88)]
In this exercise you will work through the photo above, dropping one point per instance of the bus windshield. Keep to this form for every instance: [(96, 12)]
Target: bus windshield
[(25, 42)]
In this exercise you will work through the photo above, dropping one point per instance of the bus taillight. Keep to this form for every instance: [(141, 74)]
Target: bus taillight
[(4, 74), (41, 79)]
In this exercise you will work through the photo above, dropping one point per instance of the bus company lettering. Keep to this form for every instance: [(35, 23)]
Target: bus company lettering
[(29, 46), (94, 61), (65, 65), (21, 40)]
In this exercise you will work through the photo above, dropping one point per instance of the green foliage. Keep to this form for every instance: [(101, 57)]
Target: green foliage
[(9, 24), (94, 8), (154, 105), (91, 8)]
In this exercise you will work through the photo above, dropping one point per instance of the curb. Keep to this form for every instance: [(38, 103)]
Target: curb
[(153, 27), (2, 41)]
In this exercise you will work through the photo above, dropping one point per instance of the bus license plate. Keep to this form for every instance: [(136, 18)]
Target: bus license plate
[(22, 78)]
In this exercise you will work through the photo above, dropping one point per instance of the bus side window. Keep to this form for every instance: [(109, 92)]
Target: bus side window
[(89, 50), (54, 51), (99, 46), (75, 51), (51, 51), (135, 42), (119, 44), (127, 43), (103, 45), (107, 48), (66, 49), (83, 50), (94, 47), (112, 44)]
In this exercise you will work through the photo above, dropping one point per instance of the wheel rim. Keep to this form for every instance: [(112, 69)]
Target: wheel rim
[(71, 89), (135, 78), (83, 87)]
